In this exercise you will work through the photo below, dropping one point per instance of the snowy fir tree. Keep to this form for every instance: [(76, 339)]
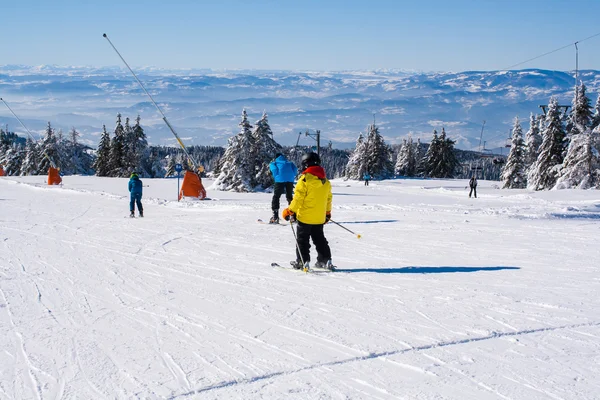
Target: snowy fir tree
[(357, 162), (157, 168), (420, 158), (431, 156), (102, 162), (544, 172), (48, 151), (30, 165), (137, 146), (533, 140), (379, 155), (237, 164), (596, 116), (117, 151), (447, 158), (11, 158), (406, 164), (513, 174), (581, 115), (76, 159), (371, 156), (171, 167), (263, 152), (440, 158), (581, 167)]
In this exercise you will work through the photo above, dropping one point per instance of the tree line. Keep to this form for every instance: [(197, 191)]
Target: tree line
[(560, 150)]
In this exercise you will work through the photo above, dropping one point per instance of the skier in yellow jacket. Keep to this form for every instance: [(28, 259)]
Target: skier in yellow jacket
[(311, 208)]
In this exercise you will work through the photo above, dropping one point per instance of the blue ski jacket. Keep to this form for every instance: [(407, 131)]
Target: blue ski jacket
[(283, 170), (135, 185)]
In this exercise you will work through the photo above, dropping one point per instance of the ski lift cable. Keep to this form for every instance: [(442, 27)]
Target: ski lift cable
[(550, 52), (196, 166), (52, 163)]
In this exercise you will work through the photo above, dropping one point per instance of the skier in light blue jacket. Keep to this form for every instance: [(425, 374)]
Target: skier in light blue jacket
[(284, 173)]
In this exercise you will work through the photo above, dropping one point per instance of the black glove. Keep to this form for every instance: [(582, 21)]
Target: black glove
[(327, 217)]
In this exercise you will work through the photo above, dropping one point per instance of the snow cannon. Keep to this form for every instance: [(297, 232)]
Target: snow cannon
[(192, 186), (54, 176)]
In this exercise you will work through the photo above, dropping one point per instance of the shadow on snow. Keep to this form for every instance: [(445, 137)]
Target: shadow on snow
[(425, 270), (368, 222)]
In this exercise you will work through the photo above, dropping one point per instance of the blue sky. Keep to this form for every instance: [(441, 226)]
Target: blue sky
[(430, 35)]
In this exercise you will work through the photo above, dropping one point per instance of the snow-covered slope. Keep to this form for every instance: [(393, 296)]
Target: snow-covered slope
[(204, 106), (443, 297)]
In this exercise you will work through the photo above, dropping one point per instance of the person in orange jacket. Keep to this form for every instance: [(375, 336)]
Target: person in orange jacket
[(311, 209)]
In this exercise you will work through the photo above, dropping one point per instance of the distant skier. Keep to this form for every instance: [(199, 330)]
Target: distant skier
[(311, 208), (135, 188), (473, 186), (367, 178), (284, 172), (1, 171)]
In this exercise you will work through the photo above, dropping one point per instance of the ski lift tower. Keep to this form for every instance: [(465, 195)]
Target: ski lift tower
[(317, 137)]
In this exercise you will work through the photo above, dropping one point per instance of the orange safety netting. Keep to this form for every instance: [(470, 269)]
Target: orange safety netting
[(2, 171), (53, 176), (192, 186)]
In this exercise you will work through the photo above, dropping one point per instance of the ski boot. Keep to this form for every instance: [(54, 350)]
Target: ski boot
[(325, 265), (275, 218), (298, 265), (141, 213), (132, 215)]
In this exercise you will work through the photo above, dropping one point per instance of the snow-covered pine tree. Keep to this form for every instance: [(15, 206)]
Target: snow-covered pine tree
[(447, 158), (596, 116), (544, 173), (357, 162), (581, 167), (12, 158), (155, 168), (102, 162), (379, 155), (117, 151), (237, 165), (265, 148), (30, 163), (129, 157), (171, 167), (420, 158), (406, 164), (48, 150), (76, 159), (432, 155), (581, 115), (533, 140), (513, 174), (136, 146)]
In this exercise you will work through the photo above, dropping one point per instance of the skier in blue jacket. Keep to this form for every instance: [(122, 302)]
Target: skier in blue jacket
[(135, 188), (284, 172)]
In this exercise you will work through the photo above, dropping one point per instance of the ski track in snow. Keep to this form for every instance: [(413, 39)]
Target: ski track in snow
[(183, 303)]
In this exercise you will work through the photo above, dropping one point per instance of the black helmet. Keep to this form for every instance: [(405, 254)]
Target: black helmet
[(310, 159)]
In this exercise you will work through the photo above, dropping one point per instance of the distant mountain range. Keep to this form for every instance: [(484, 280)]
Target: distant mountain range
[(204, 106)]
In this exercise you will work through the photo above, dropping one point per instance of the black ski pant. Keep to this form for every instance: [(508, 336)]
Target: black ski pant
[(135, 198), (304, 233), (280, 188), (473, 191)]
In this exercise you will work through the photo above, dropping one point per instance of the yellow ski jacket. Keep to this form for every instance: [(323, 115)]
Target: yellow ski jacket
[(312, 196)]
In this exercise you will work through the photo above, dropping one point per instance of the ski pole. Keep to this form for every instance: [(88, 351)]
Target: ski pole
[(358, 236), (297, 246)]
